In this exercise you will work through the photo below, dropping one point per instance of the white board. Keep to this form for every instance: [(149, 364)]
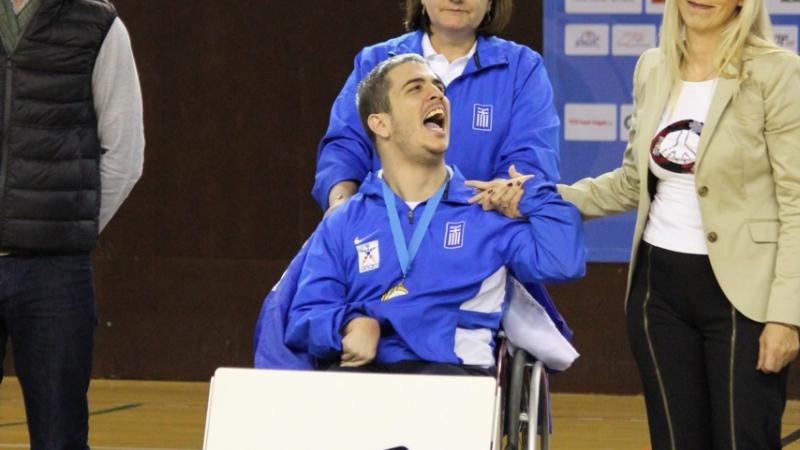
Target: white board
[(257, 409)]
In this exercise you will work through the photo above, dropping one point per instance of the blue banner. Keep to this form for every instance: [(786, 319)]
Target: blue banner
[(590, 50)]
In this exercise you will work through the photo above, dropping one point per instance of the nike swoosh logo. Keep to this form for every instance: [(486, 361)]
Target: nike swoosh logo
[(359, 240)]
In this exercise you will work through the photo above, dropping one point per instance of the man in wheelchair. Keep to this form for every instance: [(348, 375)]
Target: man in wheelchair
[(408, 276)]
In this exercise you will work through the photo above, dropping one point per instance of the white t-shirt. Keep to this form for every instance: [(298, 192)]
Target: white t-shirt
[(446, 71), (674, 221)]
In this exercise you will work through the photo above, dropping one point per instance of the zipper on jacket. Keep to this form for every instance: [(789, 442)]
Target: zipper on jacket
[(477, 60), (6, 130), (411, 217)]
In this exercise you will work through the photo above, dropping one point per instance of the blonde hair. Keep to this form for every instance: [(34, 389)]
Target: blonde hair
[(748, 33)]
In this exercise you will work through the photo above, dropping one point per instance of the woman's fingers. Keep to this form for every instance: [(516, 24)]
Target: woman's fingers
[(499, 194), (479, 185)]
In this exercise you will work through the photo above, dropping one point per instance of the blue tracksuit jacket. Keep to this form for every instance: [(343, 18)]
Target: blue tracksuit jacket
[(502, 113), (456, 285)]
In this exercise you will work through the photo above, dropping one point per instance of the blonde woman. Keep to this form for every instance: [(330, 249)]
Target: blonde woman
[(713, 166)]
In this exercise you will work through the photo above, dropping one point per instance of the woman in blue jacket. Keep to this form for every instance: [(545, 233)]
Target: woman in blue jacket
[(502, 108)]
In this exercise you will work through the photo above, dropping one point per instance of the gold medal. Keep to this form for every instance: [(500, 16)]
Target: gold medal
[(394, 291)]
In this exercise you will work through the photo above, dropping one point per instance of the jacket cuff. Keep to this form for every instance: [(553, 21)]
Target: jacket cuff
[(327, 179), (537, 193), (352, 312)]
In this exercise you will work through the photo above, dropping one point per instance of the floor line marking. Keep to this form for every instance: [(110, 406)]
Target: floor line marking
[(95, 447), (91, 413)]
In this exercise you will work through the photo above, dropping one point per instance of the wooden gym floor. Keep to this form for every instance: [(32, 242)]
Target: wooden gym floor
[(158, 415)]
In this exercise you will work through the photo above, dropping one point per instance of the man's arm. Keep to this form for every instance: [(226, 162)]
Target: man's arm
[(552, 246), (320, 314), (118, 104)]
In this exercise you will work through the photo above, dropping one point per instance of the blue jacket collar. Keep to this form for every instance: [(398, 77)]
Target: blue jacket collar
[(489, 52), (456, 192)]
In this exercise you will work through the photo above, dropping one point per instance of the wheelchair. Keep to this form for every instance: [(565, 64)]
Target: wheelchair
[(524, 400), (521, 414)]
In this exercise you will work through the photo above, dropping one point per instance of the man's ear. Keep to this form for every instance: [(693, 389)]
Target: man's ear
[(380, 124)]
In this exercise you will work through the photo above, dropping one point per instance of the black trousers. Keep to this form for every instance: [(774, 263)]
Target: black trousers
[(47, 309), (697, 359)]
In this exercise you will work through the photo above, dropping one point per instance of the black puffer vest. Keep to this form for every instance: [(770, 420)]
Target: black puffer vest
[(49, 162)]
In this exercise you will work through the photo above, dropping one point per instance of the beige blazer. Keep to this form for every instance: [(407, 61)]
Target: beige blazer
[(747, 177)]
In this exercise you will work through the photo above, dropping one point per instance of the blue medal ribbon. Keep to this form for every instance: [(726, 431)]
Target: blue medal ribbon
[(406, 254)]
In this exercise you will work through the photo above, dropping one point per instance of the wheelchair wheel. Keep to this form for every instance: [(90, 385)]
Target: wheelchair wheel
[(528, 404)]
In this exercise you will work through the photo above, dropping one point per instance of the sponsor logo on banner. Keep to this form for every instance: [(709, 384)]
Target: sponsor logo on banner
[(586, 39), (454, 235), (482, 117), (625, 121), (783, 6), (632, 40), (369, 256), (654, 6), (590, 122), (603, 6), (786, 36)]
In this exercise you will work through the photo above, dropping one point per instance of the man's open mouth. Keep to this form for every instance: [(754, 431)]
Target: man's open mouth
[(434, 120)]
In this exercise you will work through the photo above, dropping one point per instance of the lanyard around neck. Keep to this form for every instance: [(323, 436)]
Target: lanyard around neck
[(406, 254)]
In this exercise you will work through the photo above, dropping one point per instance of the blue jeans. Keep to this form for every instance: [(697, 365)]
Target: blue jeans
[(47, 308)]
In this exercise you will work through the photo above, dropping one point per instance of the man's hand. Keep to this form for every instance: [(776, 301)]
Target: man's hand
[(778, 346), (339, 194), (499, 194), (360, 341)]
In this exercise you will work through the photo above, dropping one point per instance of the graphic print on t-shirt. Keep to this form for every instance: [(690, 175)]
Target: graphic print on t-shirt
[(675, 147)]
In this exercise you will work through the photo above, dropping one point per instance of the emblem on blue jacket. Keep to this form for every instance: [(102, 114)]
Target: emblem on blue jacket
[(482, 117), (369, 256), (454, 235)]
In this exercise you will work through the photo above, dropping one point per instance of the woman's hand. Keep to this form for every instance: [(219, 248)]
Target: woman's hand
[(778, 346), (499, 194)]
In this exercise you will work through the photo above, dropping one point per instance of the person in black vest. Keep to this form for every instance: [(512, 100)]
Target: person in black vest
[(71, 149)]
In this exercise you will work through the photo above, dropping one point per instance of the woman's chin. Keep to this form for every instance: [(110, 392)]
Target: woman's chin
[(455, 27)]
